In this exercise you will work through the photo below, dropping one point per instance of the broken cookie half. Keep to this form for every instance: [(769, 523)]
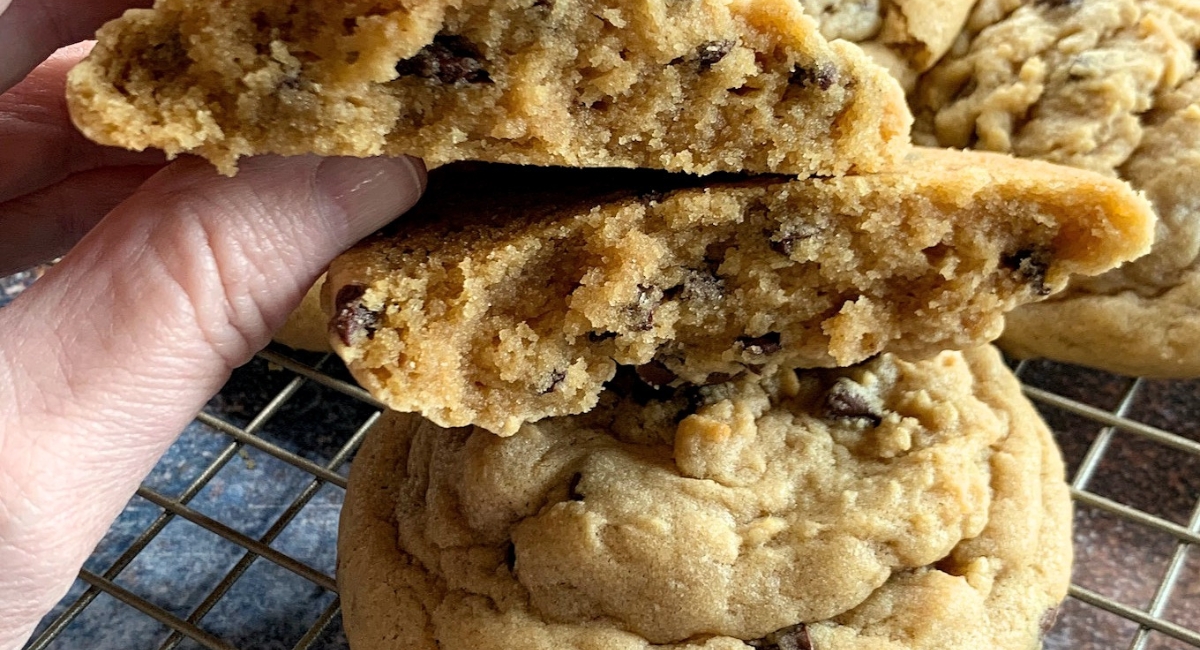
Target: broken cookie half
[(701, 86), (512, 294)]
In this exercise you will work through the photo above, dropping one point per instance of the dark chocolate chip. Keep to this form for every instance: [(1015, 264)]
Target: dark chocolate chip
[(351, 320), (510, 557), (450, 59), (1031, 264), (783, 241), (847, 400), (641, 312), (656, 373), (1058, 4), (768, 343), (710, 53), (600, 337), (789, 638), (555, 380), (573, 492), (714, 378), (823, 77)]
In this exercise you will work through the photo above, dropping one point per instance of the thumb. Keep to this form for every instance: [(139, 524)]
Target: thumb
[(117, 347)]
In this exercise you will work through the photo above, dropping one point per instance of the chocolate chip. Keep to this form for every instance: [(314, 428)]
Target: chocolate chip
[(1058, 4), (641, 312), (656, 374), (768, 343), (555, 380), (450, 59), (714, 378), (710, 53), (510, 557), (1031, 264), (789, 638), (573, 492), (823, 77), (1047, 621), (352, 321), (847, 400), (783, 241)]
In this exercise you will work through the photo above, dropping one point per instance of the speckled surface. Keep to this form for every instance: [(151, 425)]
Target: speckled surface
[(272, 608)]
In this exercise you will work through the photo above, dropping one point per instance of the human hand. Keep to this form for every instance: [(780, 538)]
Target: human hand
[(175, 276)]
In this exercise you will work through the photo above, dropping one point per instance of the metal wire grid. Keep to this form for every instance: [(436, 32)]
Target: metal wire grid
[(1149, 620)]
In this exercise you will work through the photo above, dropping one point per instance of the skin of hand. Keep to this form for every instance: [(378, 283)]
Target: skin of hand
[(172, 277)]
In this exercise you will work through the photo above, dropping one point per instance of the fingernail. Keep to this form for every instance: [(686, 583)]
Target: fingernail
[(371, 191)]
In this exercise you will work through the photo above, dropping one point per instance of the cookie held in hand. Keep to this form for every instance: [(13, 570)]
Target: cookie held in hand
[(699, 86), (512, 294)]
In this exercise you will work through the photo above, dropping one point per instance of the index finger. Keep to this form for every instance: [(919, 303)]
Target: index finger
[(31, 30)]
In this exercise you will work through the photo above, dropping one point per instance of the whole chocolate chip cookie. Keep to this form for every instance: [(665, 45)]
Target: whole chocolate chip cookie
[(512, 294), (698, 86), (1106, 85), (892, 506)]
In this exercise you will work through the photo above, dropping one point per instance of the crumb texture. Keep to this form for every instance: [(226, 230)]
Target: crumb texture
[(698, 86), (1105, 85), (513, 294), (891, 505)]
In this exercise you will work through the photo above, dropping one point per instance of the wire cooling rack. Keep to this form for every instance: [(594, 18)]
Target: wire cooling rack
[(229, 544)]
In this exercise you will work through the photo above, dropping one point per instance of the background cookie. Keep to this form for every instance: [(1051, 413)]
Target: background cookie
[(696, 86), (893, 505), (905, 36), (525, 288), (1107, 85)]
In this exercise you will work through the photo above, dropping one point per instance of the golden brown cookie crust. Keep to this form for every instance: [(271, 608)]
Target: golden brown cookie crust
[(703, 86), (517, 305), (565, 537)]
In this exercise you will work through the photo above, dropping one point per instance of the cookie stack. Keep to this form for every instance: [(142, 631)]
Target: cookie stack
[(750, 405)]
